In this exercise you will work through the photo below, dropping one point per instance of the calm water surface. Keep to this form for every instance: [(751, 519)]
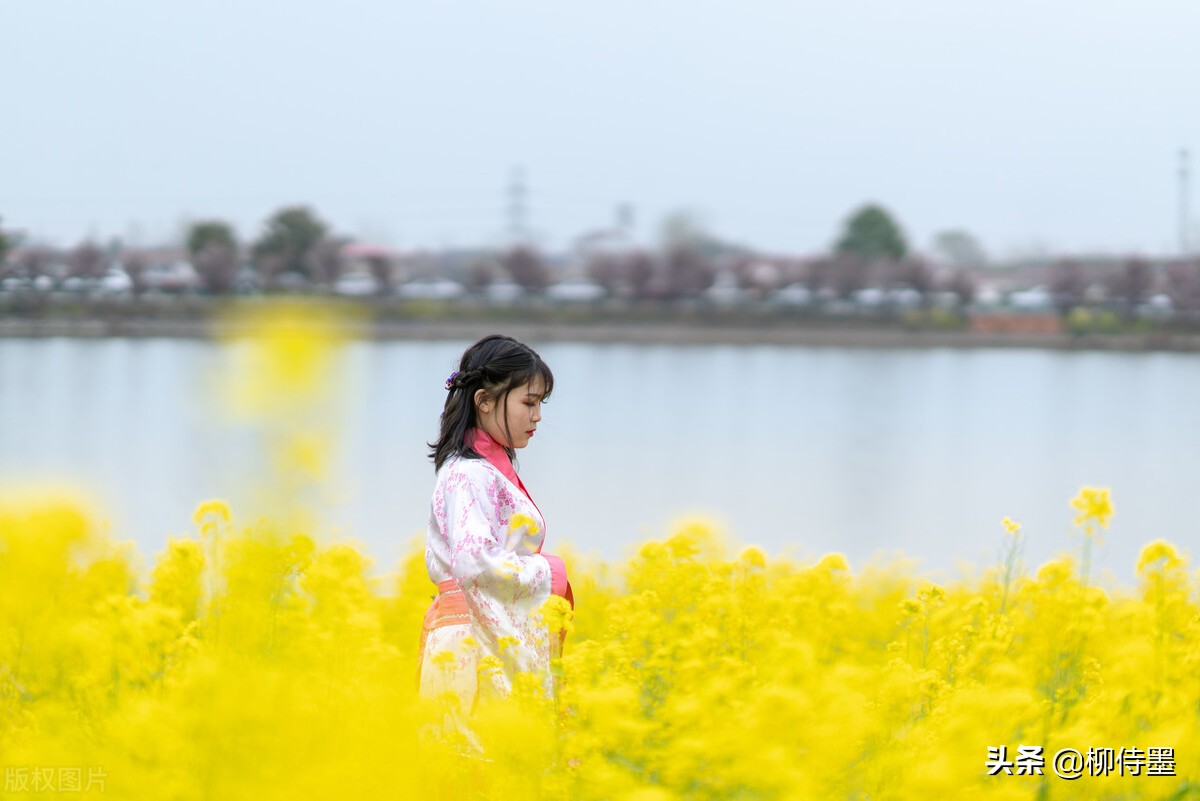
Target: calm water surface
[(867, 452)]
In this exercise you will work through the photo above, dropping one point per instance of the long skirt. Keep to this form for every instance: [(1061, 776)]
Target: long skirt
[(447, 670)]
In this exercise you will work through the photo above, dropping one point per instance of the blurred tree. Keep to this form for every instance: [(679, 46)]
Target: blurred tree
[(639, 271), (1131, 284), (1183, 286), (135, 265), (606, 270), (688, 248), (846, 274), (213, 250), (34, 261), (480, 275), (962, 284), (793, 270), (684, 230), (289, 242), (743, 273), (917, 274), (526, 268), (86, 260), (207, 233), (326, 261), (757, 276), (689, 271), (960, 249), (381, 270), (1067, 284), (871, 234), (819, 273), (4, 248)]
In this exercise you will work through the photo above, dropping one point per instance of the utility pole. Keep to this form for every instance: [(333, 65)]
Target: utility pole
[(1184, 239), (625, 220), (517, 194)]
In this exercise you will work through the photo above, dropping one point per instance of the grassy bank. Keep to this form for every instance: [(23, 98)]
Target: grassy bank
[(687, 322)]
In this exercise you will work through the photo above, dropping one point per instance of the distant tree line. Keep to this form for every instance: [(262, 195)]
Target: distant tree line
[(296, 249), (870, 251)]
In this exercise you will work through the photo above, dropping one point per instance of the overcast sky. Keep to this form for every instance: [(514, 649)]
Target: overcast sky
[(1053, 125)]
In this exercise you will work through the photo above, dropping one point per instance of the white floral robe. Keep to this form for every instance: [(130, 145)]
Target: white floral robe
[(504, 580)]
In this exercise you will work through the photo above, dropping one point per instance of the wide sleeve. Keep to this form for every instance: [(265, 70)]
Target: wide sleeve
[(503, 588), (559, 585)]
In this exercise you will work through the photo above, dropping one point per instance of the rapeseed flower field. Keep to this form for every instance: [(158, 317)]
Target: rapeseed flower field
[(254, 660)]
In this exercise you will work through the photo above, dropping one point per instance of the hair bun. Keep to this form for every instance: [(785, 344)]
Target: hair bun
[(460, 379)]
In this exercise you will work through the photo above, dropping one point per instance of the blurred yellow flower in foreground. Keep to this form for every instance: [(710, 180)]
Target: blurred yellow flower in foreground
[(1011, 526), (557, 614), (260, 665), (521, 520), (753, 557)]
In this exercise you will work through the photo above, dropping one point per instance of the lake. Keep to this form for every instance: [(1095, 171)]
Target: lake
[(810, 450)]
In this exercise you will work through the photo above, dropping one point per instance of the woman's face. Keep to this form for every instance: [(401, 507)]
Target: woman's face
[(524, 411)]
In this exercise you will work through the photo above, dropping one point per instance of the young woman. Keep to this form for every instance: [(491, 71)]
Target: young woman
[(484, 542)]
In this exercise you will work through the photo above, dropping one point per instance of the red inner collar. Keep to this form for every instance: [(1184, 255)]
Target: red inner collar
[(486, 446)]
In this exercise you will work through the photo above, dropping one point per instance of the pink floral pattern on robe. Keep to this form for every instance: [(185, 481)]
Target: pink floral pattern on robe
[(504, 580)]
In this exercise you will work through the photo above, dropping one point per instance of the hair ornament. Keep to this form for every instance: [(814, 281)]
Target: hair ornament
[(450, 380)]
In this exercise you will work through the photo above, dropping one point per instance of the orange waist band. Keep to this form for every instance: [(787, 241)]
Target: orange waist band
[(448, 608)]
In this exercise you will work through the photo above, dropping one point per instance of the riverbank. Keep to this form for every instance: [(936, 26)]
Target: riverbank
[(800, 332)]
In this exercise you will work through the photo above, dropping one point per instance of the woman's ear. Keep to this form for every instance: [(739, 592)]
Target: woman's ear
[(481, 400)]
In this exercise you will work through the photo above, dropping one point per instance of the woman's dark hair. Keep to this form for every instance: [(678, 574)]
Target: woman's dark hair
[(497, 364)]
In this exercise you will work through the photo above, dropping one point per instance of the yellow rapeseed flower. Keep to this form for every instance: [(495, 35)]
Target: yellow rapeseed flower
[(1160, 555), (557, 614), (833, 561), (1093, 505), (487, 666), (753, 557), (876, 685), (1010, 525), (218, 509), (931, 594), (520, 520)]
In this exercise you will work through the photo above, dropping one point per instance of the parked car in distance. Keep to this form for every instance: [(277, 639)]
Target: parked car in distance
[(904, 297), (431, 289), (504, 291), (793, 295), (76, 284), (871, 297), (575, 291), (115, 282), (356, 285), (14, 284), (1037, 298)]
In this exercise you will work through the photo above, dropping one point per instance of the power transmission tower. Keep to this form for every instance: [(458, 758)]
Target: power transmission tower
[(517, 197), (1184, 189), (625, 219)]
